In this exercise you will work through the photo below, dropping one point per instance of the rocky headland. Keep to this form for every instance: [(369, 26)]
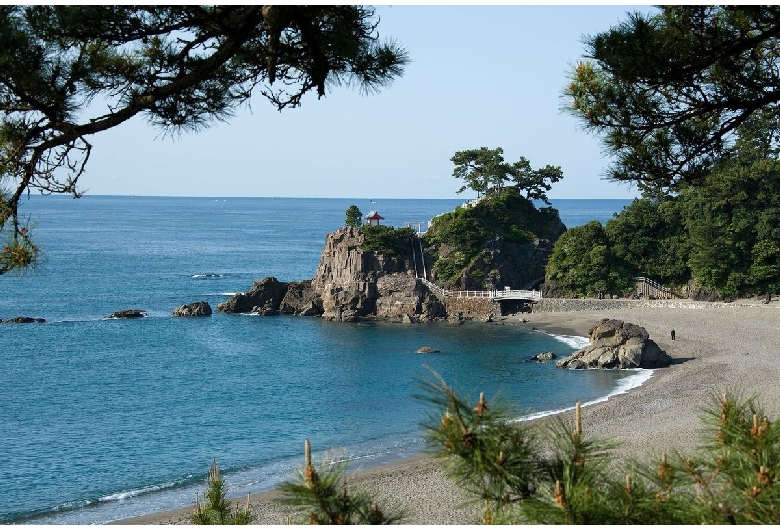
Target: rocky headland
[(352, 283)]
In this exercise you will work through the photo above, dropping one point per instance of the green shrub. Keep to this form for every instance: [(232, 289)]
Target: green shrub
[(388, 240), (452, 265)]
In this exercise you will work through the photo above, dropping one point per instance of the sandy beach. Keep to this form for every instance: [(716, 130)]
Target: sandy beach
[(718, 348)]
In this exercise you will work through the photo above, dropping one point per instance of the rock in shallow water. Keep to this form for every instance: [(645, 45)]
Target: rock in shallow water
[(22, 320), (128, 313), (195, 309)]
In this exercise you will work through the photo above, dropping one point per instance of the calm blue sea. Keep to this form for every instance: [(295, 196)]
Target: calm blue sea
[(109, 419)]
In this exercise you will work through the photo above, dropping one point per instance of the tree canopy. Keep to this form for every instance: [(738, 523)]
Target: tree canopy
[(668, 92), (353, 217), (723, 233), (484, 170), (69, 72)]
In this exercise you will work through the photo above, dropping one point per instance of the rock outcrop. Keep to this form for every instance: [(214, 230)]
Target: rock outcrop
[(127, 313), (350, 284), (346, 278), (195, 309), (616, 344), (300, 299), (544, 357), (264, 298), (23, 320)]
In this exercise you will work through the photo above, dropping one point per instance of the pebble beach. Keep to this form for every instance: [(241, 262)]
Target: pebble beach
[(718, 348)]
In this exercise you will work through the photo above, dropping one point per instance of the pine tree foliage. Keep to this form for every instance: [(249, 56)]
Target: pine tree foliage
[(566, 477), (571, 478), (68, 72), (666, 92), (216, 509), (353, 217), (487, 455), (324, 494)]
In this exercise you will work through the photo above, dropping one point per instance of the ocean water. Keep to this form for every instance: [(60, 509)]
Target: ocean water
[(109, 419)]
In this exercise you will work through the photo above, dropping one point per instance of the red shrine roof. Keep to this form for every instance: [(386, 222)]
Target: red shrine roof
[(374, 215)]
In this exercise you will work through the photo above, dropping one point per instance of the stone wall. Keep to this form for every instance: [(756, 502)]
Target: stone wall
[(558, 305), (470, 308)]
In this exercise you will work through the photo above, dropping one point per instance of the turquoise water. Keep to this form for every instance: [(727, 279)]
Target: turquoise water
[(108, 419)]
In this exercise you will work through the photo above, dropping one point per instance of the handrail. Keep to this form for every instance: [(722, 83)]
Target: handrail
[(651, 288), (506, 294)]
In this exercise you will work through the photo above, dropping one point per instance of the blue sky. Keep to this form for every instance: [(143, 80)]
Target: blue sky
[(480, 76)]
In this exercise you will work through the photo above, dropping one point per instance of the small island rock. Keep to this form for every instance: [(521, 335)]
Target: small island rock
[(195, 309), (264, 298), (127, 313), (544, 356), (427, 349), (22, 320)]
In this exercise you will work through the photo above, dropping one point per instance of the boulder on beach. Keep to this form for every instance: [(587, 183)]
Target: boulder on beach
[(616, 344), (127, 313), (195, 309)]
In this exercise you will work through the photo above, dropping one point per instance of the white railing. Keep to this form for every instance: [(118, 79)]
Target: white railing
[(469, 294), (652, 289), (521, 294), (506, 294)]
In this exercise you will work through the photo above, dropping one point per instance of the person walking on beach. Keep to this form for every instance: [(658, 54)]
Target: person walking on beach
[(672, 334)]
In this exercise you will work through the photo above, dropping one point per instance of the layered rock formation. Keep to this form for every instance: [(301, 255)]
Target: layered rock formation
[(350, 284), (617, 344)]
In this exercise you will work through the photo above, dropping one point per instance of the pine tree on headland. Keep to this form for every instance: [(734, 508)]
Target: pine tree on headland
[(354, 217)]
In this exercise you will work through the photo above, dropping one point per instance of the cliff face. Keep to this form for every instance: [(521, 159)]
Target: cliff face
[(350, 284)]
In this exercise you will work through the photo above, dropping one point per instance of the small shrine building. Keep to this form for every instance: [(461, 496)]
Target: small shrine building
[(373, 218)]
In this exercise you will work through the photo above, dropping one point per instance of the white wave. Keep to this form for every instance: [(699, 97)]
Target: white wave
[(575, 341), (624, 385), (122, 495), (207, 275)]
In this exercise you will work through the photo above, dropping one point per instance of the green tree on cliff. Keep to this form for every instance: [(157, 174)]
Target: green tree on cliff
[(69, 72), (483, 170), (354, 217), (534, 182)]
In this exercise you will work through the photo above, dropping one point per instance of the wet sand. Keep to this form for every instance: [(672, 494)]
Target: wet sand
[(717, 349)]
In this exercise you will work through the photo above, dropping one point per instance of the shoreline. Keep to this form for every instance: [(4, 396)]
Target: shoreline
[(717, 349)]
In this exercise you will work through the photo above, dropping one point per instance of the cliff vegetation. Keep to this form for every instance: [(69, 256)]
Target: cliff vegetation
[(500, 240)]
